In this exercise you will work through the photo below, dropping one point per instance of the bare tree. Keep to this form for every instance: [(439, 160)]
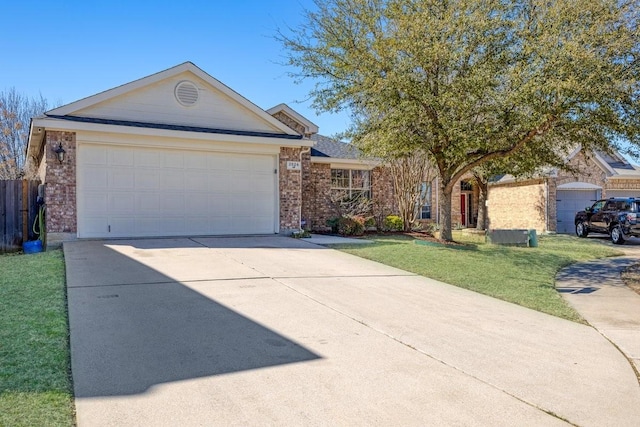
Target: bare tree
[(16, 111), (409, 172)]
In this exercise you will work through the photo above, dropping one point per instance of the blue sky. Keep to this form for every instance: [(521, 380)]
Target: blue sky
[(68, 50)]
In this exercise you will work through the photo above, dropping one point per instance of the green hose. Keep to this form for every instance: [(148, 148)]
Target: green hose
[(40, 222)]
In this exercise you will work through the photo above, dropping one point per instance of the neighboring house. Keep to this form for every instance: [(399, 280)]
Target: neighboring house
[(550, 202), (178, 153)]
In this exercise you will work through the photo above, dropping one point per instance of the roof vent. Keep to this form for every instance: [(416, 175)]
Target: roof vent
[(186, 93)]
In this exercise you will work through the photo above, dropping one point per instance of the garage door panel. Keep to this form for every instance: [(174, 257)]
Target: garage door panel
[(147, 159), (172, 204), (159, 192), (96, 226), (173, 160), (95, 178), (121, 157), (172, 225), (96, 156), (219, 181), (147, 226), (195, 161), (197, 225), (147, 179), (568, 203), (147, 202), (218, 162), (97, 203), (121, 178), (121, 226), (122, 203), (172, 179), (196, 179)]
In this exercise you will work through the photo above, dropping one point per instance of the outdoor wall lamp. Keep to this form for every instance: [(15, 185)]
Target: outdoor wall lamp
[(60, 152)]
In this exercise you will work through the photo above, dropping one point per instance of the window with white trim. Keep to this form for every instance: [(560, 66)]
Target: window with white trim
[(353, 183)]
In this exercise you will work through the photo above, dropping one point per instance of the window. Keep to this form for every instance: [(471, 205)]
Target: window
[(354, 183), (425, 195), (466, 186)]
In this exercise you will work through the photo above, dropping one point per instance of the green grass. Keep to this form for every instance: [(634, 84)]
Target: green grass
[(524, 276), (35, 385)]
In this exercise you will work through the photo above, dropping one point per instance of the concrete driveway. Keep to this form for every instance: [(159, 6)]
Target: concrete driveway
[(277, 331)]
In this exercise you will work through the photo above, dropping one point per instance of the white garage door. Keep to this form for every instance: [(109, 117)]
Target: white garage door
[(623, 193), (568, 203), (134, 192)]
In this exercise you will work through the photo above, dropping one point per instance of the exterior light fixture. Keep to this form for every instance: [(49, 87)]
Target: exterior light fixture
[(60, 152)]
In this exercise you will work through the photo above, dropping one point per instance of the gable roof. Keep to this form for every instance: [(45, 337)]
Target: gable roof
[(309, 128), (76, 107), (151, 106)]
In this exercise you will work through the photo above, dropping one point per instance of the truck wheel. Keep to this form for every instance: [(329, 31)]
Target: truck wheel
[(616, 235), (581, 229)]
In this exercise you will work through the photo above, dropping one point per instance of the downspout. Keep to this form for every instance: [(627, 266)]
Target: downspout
[(302, 151)]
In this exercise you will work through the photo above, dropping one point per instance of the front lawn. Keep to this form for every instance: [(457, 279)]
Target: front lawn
[(35, 385), (524, 276)]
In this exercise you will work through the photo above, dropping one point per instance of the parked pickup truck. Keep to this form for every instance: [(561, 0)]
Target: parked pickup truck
[(619, 217)]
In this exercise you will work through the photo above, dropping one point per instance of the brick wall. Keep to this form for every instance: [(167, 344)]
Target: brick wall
[(293, 124), (382, 191), (621, 184), (316, 197), (60, 180), (290, 191), (518, 205)]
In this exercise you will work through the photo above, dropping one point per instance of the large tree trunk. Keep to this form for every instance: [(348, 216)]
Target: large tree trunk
[(445, 211), (482, 205)]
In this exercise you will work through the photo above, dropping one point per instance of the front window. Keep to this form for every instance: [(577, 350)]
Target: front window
[(425, 196), (353, 183)]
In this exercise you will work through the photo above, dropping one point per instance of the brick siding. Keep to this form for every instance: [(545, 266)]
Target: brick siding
[(60, 180), (382, 191), (518, 205), (290, 191), (317, 193)]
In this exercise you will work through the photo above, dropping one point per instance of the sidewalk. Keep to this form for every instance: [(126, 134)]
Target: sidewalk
[(597, 292)]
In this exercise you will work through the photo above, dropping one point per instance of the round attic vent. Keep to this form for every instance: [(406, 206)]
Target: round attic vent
[(186, 93)]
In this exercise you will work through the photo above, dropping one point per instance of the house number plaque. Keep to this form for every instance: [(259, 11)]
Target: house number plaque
[(294, 166)]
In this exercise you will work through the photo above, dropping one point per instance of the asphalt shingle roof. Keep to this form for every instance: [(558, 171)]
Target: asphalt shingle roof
[(329, 147)]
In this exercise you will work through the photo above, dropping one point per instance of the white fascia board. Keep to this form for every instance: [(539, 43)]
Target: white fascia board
[(346, 163), (69, 109), (70, 126)]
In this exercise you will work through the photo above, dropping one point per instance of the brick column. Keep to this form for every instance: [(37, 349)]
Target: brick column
[(60, 180), (290, 191)]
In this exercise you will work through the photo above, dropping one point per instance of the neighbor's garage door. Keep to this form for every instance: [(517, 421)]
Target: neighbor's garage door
[(568, 203), (623, 193), (131, 192)]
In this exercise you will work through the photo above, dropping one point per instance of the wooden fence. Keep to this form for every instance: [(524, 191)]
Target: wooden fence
[(18, 211)]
